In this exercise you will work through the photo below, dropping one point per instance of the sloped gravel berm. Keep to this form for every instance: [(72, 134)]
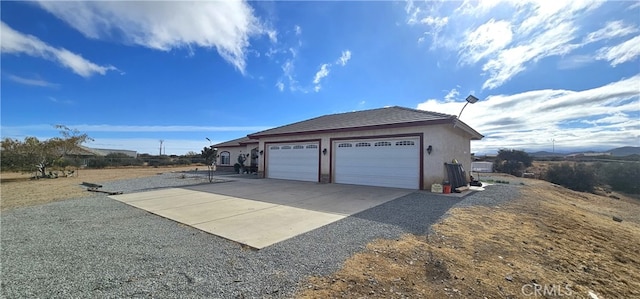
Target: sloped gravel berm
[(100, 248)]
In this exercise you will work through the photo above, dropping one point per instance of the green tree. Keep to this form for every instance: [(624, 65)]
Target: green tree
[(512, 161), (209, 154), (33, 154)]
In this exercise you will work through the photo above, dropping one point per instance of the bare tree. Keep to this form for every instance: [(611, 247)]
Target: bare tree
[(33, 154)]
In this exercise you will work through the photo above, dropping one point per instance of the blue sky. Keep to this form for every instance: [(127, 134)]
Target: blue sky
[(132, 73)]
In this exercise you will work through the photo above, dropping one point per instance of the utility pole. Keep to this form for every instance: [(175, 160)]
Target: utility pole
[(161, 141)]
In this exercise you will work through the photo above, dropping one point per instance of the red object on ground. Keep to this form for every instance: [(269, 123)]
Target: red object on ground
[(446, 189)]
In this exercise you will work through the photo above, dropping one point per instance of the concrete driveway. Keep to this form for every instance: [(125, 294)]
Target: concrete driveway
[(262, 212)]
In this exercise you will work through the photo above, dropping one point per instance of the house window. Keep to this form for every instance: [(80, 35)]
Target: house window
[(286, 147), (345, 145), (405, 142), (298, 147), (225, 158), (312, 146), (382, 143), (363, 144)]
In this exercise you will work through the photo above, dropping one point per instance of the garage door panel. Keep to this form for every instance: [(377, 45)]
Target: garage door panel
[(393, 163), (293, 161)]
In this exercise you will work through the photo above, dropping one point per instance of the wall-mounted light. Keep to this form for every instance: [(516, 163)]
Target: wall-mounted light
[(324, 151), (261, 152), (429, 149)]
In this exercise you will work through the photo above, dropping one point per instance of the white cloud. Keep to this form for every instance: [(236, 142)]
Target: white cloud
[(344, 58), (322, 72), (626, 51), (574, 61), (280, 85), (506, 37), (273, 35), (289, 73), (57, 101), (451, 95), (297, 29), (151, 145), (611, 30), (487, 39), (14, 42), (527, 120), (226, 26), (32, 82), (512, 61)]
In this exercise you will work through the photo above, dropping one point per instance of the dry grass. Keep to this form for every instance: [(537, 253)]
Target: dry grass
[(556, 238), (551, 236), (18, 190)]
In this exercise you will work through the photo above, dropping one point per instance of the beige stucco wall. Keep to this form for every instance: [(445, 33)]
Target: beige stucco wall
[(448, 143), (234, 152)]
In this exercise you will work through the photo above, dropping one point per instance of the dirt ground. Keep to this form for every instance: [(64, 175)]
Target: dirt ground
[(18, 190), (551, 242)]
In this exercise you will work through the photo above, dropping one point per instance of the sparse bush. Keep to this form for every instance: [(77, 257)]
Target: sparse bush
[(119, 159), (623, 177), (97, 162), (183, 161), (579, 177)]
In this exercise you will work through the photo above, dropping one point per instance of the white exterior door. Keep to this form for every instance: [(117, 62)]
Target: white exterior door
[(389, 162), (293, 161)]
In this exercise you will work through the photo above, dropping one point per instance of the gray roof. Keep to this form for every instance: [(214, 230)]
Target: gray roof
[(367, 119), (235, 142)]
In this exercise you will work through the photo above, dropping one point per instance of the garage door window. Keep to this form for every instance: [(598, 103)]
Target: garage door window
[(286, 147), (383, 143), (345, 145), (225, 158), (312, 146), (363, 144), (298, 147), (405, 142)]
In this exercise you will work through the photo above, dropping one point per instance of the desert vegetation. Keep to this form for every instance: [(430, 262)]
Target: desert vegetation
[(587, 175)]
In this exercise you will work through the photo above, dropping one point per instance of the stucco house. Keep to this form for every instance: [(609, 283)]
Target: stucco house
[(229, 151), (389, 147)]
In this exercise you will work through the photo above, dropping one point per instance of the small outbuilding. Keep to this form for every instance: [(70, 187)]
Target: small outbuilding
[(390, 147)]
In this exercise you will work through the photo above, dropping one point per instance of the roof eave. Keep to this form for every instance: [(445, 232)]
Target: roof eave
[(475, 135)]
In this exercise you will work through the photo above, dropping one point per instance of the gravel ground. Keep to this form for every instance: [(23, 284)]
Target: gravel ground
[(98, 247)]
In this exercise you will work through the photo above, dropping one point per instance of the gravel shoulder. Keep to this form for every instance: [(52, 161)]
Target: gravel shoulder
[(98, 247)]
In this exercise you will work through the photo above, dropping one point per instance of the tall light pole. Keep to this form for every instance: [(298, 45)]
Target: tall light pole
[(470, 100)]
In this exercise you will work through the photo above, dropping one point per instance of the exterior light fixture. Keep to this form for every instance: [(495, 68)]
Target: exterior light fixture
[(470, 100), (324, 151), (429, 149), (261, 152)]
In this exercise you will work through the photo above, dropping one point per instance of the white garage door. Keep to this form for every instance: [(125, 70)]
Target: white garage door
[(293, 161), (381, 162)]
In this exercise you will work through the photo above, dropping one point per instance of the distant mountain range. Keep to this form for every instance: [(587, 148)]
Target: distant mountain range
[(616, 152)]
